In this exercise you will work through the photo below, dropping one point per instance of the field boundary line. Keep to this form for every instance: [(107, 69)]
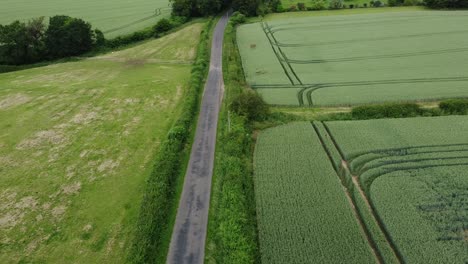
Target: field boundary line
[(371, 208), (357, 215), (157, 13)]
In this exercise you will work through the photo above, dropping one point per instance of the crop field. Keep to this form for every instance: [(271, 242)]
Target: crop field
[(77, 142), (114, 18), (302, 211), (406, 178), (356, 59)]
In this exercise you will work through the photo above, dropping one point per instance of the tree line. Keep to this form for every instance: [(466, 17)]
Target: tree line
[(33, 41), (199, 8)]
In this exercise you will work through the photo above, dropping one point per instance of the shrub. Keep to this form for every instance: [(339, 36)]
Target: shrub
[(393, 110), (377, 3), (336, 4), (301, 6), (319, 5), (454, 106), (162, 26), (293, 8), (237, 18), (365, 5), (351, 6), (250, 105)]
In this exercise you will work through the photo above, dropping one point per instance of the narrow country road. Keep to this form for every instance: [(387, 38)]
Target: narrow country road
[(189, 234)]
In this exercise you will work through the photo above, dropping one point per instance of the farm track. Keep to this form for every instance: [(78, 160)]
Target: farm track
[(359, 218), (370, 207), (189, 234)]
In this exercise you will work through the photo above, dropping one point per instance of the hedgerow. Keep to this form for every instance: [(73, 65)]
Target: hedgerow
[(159, 196)]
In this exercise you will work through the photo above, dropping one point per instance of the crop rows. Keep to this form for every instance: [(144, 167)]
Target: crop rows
[(321, 68), (429, 177), (303, 213)]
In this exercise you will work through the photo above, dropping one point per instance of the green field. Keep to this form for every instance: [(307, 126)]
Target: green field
[(302, 211), (112, 17), (407, 178), (77, 141), (358, 58)]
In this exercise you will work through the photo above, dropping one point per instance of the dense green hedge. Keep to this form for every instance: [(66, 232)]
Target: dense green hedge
[(159, 196), (391, 110), (232, 236), (454, 106)]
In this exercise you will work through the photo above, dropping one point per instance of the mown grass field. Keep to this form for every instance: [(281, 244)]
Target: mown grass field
[(325, 60), (77, 141), (407, 179), (112, 17)]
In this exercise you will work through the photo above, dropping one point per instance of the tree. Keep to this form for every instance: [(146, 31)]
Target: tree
[(22, 43), (162, 26), (67, 36), (247, 7), (446, 4), (250, 105)]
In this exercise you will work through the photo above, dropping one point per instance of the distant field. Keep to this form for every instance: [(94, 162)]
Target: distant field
[(357, 59), (112, 17), (77, 141), (407, 179)]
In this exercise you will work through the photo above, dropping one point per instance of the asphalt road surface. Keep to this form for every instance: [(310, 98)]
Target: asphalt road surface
[(189, 234)]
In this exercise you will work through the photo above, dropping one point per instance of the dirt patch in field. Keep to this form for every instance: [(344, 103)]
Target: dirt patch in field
[(73, 188), (84, 118), (107, 165), (14, 100), (58, 211), (53, 137), (12, 211)]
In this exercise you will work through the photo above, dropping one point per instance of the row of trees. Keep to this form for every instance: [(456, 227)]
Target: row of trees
[(199, 8), (453, 4), (33, 41)]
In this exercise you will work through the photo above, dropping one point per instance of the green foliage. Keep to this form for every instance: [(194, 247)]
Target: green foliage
[(247, 7), (237, 18), (395, 2), (454, 106), (196, 8), (250, 105), (67, 36), (336, 4), (159, 193), (318, 5), (391, 110), (301, 6), (162, 26), (22, 43), (453, 4)]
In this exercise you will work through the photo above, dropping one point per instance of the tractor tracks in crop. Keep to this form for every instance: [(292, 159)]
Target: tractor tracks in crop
[(307, 90), (359, 218), (157, 12), (355, 184), (283, 60)]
